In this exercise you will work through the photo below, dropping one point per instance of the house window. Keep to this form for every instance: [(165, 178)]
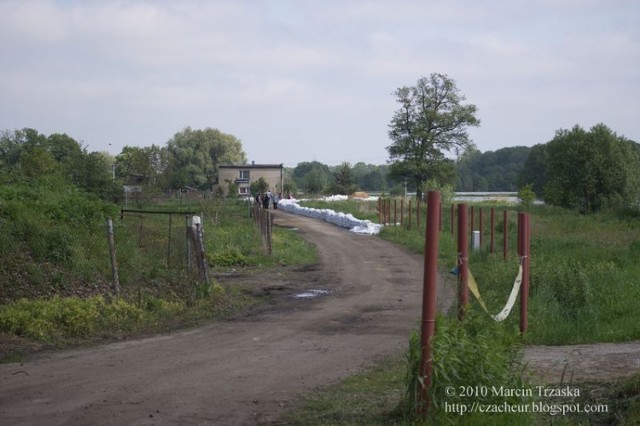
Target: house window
[(244, 190), (244, 176)]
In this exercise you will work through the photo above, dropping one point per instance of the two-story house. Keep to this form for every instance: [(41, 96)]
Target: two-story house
[(245, 174)]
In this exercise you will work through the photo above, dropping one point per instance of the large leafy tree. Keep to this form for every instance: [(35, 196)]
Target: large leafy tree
[(534, 170), (431, 122), (343, 182), (492, 170), (194, 156), (312, 176), (591, 170), (29, 155), (148, 164)]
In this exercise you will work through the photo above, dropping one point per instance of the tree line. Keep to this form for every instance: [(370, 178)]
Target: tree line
[(588, 170)]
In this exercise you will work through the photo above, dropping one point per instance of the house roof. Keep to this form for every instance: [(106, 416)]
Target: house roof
[(251, 166)]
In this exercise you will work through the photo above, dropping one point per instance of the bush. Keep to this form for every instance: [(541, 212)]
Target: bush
[(475, 352)]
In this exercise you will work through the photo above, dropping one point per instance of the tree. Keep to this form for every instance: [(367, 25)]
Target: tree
[(431, 122), (343, 180), (149, 164), (259, 186), (534, 170), (591, 171), (30, 155), (312, 176), (194, 156), (492, 170)]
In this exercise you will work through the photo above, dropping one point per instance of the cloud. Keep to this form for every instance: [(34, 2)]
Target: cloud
[(305, 80)]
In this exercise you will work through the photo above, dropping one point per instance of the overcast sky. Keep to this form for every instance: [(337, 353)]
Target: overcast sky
[(313, 80)]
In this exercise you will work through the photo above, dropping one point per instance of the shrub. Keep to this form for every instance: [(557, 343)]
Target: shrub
[(475, 352)]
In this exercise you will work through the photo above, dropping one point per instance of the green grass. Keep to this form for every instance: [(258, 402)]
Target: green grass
[(62, 298), (61, 322), (584, 288), (476, 353), (367, 398), (584, 272)]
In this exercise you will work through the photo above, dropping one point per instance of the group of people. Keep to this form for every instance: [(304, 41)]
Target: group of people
[(268, 198)]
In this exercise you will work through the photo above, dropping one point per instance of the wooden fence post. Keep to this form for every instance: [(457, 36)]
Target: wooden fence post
[(114, 263)]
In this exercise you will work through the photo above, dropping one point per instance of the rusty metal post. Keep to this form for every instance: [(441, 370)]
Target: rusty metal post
[(169, 243), (452, 218), (493, 226), (429, 294), (402, 212), (379, 209), (463, 260), (480, 225), (505, 235), (524, 252), (409, 215)]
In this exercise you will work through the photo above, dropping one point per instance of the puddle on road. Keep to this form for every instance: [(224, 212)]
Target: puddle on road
[(310, 294)]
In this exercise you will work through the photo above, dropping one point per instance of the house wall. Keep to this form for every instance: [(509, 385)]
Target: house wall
[(273, 175)]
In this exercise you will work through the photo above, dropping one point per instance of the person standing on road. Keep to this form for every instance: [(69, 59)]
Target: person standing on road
[(267, 199)]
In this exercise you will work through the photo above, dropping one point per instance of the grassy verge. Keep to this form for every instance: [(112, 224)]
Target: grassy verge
[(367, 398), (468, 359), (154, 298), (375, 397), (584, 272)]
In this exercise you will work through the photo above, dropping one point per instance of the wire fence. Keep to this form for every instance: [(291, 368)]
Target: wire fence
[(158, 253), (167, 242)]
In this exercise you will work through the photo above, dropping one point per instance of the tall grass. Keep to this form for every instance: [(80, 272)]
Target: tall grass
[(471, 359), (56, 272), (585, 272)]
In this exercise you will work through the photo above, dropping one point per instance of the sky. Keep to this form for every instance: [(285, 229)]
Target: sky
[(304, 80)]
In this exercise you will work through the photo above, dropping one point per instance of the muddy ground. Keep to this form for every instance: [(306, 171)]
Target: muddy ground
[(251, 369)]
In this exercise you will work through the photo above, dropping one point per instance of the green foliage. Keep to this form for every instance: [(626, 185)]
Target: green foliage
[(584, 271), (194, 156), (342, 182), (370, 177), (360, 399), (64, 318), (146, 166), (259, 186), (586, 170), (446, 190), (29, 156), (45, 218), (231, 257), (491, 170), (233, 240), (534, 169), (526, 195), (476, 352), (431, 122)]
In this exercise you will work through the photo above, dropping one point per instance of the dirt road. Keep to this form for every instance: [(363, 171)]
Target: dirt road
[(244, 371)]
